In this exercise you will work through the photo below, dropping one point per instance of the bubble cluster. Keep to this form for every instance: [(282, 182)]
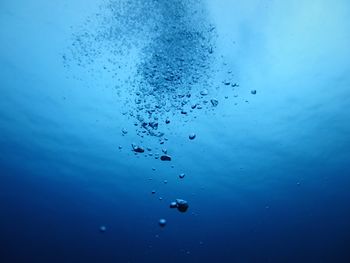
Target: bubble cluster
[(162, 58), (172, 48)]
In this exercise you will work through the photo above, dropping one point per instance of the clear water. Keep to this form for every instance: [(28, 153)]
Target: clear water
[(267, 176)]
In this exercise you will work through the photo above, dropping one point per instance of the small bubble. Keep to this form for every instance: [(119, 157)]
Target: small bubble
[(165, 157), (214, 102), (182, 205), (137, 149), (204, 92), (103, 229), (162, 222)]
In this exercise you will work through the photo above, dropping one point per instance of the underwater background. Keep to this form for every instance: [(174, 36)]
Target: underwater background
[(174, 131)]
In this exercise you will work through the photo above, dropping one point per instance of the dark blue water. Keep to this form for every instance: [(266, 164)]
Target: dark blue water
[(264, 85)]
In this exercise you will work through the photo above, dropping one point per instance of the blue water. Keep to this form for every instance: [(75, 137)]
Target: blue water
[(267, 177)]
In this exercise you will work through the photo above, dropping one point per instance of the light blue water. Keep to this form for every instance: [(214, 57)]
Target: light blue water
[(267, 176)]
